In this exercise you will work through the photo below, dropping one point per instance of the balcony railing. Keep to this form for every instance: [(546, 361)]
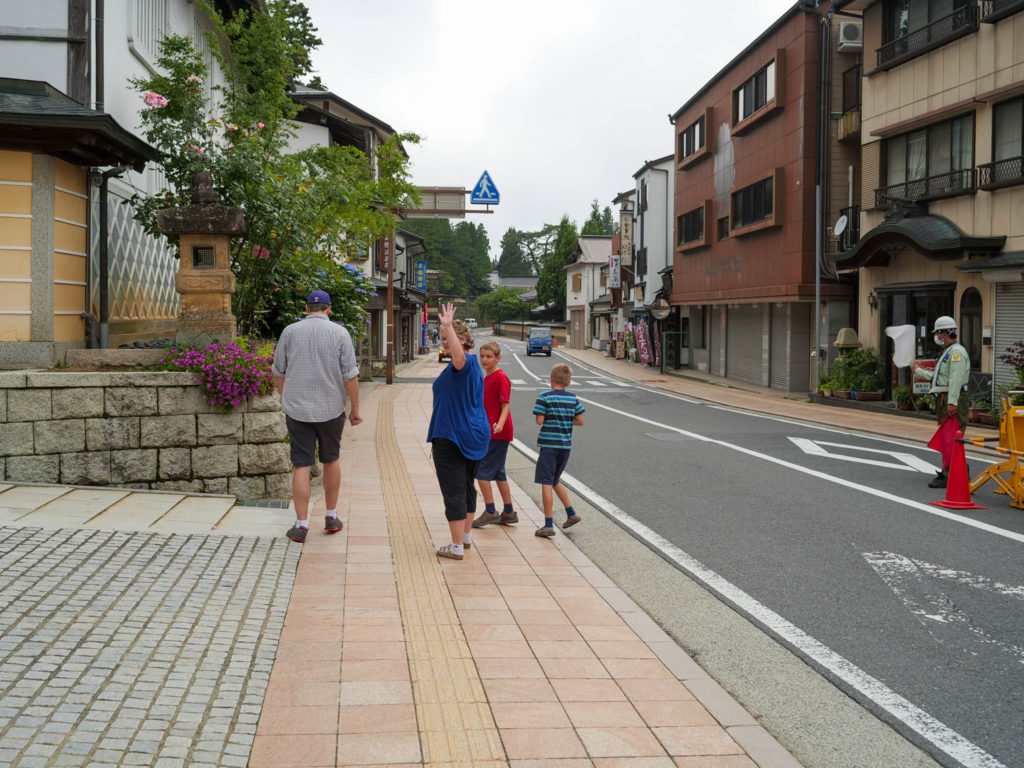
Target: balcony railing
[(994, 10), (849, 236), (932, 188), (959, 23), (1001, 173), (851, 88)]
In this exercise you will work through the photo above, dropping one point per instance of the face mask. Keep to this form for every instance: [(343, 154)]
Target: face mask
[(937, 339)]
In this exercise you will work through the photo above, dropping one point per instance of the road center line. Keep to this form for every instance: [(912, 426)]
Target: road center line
[(523, 366), (927, 727), (921, 507)]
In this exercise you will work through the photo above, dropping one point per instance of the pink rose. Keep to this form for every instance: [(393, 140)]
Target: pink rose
[(153, 99)]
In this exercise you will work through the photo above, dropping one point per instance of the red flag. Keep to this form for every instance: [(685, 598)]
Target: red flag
[(944, 439)]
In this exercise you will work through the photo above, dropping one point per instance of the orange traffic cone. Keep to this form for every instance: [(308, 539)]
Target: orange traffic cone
[(958, 492)]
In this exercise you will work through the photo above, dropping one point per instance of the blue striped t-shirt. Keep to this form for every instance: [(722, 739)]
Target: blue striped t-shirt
[(558, 407)]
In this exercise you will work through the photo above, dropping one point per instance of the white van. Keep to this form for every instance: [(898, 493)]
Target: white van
[(471, 322)]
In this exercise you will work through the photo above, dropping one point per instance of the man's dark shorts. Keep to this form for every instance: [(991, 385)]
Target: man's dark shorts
[(304, 436), (492, 466), (550, 464)]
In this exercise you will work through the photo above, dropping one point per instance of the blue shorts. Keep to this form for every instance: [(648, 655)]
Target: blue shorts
[(550, 465), (492, 466)]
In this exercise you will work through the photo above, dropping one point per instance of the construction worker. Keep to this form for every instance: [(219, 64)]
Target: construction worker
[(949, 385)]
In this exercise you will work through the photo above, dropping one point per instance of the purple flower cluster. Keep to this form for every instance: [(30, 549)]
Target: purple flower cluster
[(229, 374)]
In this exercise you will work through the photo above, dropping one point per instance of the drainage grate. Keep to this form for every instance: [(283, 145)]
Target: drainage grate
[(272, 503)]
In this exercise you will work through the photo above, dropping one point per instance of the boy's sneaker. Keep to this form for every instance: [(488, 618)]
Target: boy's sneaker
[(509, 518), (333, 524), (486, 518), (544, 532), (571, 521), (297, 533)]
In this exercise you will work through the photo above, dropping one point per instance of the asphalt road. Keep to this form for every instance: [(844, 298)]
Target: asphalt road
[(824, 538)]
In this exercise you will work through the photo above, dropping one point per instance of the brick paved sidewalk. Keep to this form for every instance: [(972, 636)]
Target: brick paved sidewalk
[(168, 644), (522, 654)]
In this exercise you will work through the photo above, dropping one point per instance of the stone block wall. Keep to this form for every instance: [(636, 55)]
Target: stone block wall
[(140, 430)]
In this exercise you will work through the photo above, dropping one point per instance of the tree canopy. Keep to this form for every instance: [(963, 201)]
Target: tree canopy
[(551, 281), (306, 212), (460, 252), (598, 223)]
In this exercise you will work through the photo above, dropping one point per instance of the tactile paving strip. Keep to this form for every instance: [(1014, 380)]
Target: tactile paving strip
[(455, 721)]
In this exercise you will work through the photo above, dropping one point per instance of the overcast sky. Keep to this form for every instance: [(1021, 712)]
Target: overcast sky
[(561, 101)]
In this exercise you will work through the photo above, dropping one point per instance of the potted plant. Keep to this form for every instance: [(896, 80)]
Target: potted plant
[(978, 407), (866, 387), (825, 386), (903, 396)]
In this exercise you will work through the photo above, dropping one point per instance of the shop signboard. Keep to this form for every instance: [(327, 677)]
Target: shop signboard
[(643, 343), (921, 384)]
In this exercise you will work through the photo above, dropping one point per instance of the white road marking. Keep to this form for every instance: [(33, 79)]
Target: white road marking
[(528, 371), (906, 461), (917, 584), (930, 729), (520, 382), (920, 506)]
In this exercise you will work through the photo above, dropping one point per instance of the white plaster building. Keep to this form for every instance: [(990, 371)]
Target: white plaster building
[(586, 282)]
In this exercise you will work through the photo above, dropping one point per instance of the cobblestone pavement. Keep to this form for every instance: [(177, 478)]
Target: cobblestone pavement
[(138, 649)]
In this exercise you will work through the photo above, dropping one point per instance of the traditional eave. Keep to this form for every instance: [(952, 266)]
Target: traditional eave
[(36, 117), (935, 237)]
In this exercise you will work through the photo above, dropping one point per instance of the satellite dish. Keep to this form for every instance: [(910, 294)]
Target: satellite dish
[(840, 226)]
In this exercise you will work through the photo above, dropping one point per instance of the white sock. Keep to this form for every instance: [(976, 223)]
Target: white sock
[(302, 523), (458, 549), (467, 538), (331, 513)]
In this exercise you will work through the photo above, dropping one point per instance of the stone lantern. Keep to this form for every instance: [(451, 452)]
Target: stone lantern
[(204, 280)]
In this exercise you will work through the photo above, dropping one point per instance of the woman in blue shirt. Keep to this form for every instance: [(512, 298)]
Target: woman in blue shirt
[(459, 433)]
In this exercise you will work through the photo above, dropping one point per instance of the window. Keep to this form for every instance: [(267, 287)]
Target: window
[(755, 93), (147, 29), (754, 203), (970, 326), (933, 162), (691, 139), (912, 27), (723, 228), (1007, 166), (577, 282), (690, 226), (1009, 127)]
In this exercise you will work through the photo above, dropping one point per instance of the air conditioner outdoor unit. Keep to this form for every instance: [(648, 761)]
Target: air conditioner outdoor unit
[(851, 36)]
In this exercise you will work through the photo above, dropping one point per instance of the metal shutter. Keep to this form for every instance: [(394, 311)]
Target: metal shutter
[(1009, 328), (744, 345), (715, 344), (870, 173), (780, 347)]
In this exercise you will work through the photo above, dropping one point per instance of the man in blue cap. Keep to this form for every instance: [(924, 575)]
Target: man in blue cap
[(315, 371)]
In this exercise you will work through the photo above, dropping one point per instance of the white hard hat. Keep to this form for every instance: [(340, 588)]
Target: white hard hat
[(944, 323)]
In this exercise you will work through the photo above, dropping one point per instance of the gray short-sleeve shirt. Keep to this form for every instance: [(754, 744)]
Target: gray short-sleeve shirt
[(316, 357)]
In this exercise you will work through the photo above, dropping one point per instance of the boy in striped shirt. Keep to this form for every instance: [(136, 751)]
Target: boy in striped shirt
[(558, 411)]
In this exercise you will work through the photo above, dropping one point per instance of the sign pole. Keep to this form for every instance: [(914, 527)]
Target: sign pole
[(389, 248)]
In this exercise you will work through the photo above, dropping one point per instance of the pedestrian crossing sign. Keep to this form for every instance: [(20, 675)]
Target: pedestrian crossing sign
[(485, 193)]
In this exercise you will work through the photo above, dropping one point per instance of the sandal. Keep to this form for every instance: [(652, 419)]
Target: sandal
[(446, 551)]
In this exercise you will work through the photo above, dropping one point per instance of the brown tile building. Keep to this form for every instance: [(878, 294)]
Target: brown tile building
[(746, 233)]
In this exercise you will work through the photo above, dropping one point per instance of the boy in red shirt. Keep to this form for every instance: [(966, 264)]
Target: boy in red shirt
[(497, 394)]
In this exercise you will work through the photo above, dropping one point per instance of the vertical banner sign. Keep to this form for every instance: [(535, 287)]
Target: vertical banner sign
[(384, 253), (614, 271), (626, 239), (421, 275), (643, 343)]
